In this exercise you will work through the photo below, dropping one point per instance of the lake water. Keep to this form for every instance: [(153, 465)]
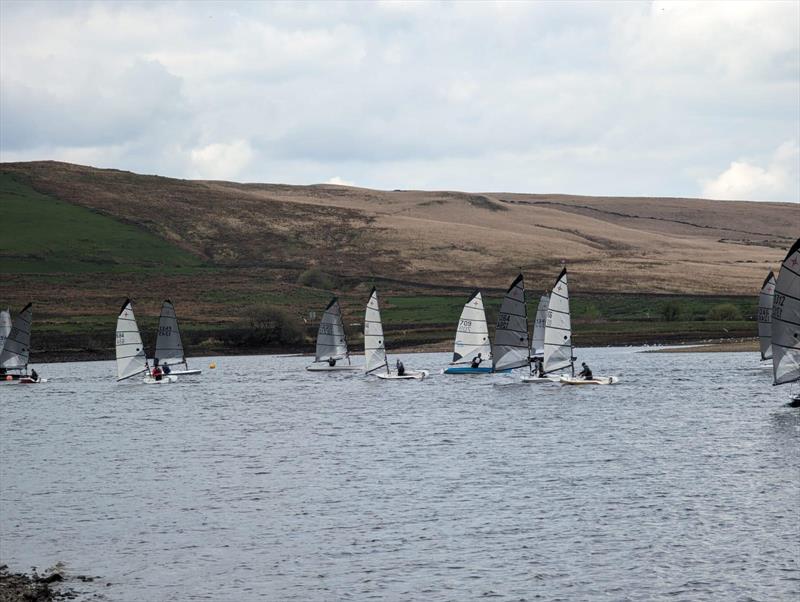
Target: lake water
[(260, 481)]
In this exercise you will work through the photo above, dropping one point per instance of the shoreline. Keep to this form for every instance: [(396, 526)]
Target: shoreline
[(669, 346)]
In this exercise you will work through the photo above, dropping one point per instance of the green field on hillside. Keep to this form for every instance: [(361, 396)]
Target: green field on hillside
[(45, 235)]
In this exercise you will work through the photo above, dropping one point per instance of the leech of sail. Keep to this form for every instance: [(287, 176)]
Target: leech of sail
[(785, 332)]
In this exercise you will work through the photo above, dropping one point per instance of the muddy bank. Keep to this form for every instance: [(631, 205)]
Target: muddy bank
[(719, 346), (20, 587)]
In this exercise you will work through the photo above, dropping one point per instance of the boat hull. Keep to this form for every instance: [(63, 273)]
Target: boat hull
[(184, 372), (409, 375), (165, 380), (540, 379), (325, 367), (599, 380), (470, 370)]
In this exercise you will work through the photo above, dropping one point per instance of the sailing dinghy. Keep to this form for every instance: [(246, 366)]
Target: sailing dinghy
[(786, 322), (511, 349), (765, 299), (472, 339), (558, 338), (15, 354), (169, 347), (375, 359), (331, 342), (537, 343), (131, 358)]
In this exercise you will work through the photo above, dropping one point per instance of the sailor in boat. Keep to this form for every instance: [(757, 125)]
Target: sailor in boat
[(166, 369), (538, 367), (331, 361), (586, 373), (157, 373), (476, 361), (401, 369), (34, 376)]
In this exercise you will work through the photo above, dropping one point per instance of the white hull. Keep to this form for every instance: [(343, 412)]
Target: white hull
[(409, 375), (598, 380), (325, 367), (184, 372), (165, 380), (540, 379)]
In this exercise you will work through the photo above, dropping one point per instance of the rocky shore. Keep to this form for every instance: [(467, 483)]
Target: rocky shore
[(33, 587)]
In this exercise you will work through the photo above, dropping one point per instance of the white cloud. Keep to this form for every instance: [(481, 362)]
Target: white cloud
[(221, 161), (339, 181), (605, 98), (746, 181)]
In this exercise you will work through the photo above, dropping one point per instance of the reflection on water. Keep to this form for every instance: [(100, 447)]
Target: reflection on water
[(259, 480)]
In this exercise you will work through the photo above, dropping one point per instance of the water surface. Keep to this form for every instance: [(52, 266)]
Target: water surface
[(259, 480)]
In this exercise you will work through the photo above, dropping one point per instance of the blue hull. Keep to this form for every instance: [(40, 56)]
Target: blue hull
[(469, 370)]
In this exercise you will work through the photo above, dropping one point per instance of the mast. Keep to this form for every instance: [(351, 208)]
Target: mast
[(472, 333), (16, 349), (131, 358), (169, 347), (331, 343), (374, 347)]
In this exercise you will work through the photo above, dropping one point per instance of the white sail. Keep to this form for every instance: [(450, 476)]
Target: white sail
[(331, 342), (5, 327), (558, 327), (511, 349), (765, 316), (169, 347), (131, 359), (537, 344), (16, 349), (472, 335), (374, 348), (786, 319)]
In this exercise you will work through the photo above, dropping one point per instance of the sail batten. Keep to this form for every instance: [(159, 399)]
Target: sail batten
[(16, 347), (128, 335), (511, 346), (374, 347), (472, 333), (785, 326), (558, 327)]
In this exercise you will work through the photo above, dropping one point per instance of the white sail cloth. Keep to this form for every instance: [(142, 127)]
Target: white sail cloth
[(5, 327), (472, 334), (765, 316), (169, 347), (16, 349), (331, 342), (131, 359), (511, 348), (374, 348), (558, 327), (786, 319), (539, 324)]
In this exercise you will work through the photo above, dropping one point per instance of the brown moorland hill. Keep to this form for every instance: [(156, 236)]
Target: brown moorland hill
[(444, 238)]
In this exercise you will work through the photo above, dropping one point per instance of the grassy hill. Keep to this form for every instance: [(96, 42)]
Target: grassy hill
[(85, 238)]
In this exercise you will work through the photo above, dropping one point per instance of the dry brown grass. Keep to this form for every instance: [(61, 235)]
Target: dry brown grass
[(657, 245)]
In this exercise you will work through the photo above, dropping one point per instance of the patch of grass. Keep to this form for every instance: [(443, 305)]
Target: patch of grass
[(51, 236)]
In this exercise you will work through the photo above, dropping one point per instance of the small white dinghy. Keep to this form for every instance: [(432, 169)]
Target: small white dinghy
[(374, 348), (331, 342), (598, 380), (169, 346), (131, 358)]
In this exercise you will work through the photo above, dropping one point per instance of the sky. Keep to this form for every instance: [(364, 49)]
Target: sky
[(621, 98)]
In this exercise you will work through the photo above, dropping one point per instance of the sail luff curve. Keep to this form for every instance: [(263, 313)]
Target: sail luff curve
[(537, 342), (786, 320)]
